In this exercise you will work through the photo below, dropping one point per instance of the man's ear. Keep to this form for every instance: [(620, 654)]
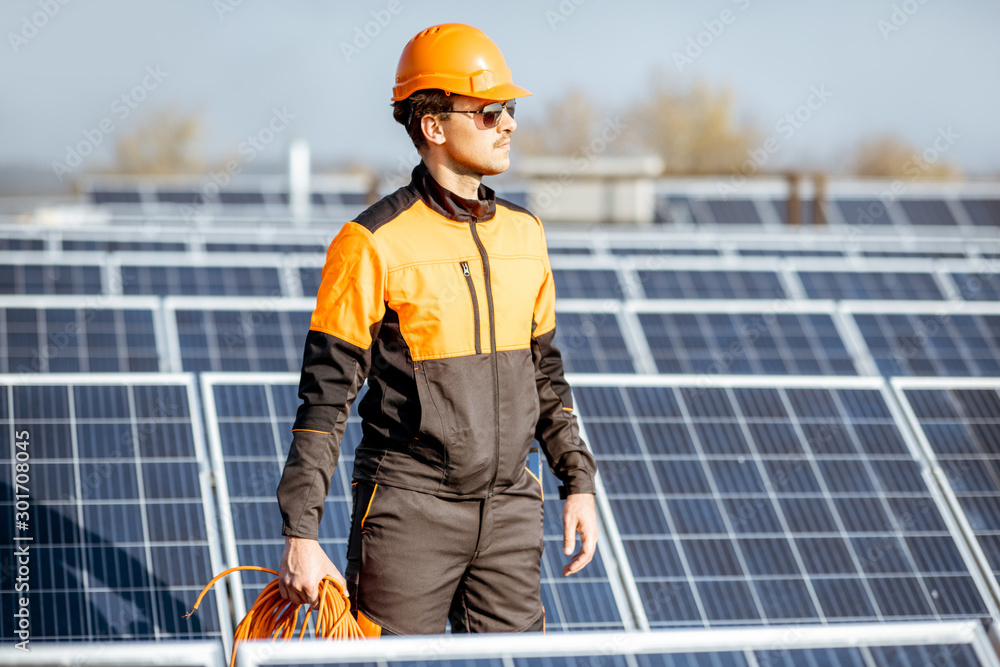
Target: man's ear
[(433, 132)]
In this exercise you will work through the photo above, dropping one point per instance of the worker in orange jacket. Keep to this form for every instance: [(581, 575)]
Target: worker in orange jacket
[(441, 297)]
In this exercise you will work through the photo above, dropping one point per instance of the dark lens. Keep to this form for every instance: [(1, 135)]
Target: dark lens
[(510, 107), (492, 113)]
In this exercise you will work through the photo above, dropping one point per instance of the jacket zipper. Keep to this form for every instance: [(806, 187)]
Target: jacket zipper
[(493, 355), (475, 305)]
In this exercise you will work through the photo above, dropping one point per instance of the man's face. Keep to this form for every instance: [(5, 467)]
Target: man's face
[(473, 148)]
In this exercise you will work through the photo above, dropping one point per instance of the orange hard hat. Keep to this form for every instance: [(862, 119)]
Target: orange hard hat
[(455, 58)]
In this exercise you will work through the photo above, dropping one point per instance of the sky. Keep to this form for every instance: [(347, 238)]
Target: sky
[(78, 75)]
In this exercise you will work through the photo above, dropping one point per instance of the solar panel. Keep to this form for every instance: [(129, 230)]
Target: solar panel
[(661, 250), (781, 252), (120, 246), (927, 212), (249, 419), (115, 197), (978, 286), (805, 210), (570, 250), (592, 342), (911, 254), (673, 209), (62, 336), (587, 283), (121, 523), (983, 212), (228, 197), (768, 501), (958, 421), (310, 277), (183, 197), (937, 341), (732, 212), (869, 285), (303, 248), (49, 279), (201, 280), (225, 335), (950, 644), (734, 340), (21, 244), (864, 213), (711, 284)]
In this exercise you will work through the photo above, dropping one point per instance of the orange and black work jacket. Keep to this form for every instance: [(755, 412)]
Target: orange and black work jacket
[(447, 307)]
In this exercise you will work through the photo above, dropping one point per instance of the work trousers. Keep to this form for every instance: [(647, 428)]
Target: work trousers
[(416, 561)]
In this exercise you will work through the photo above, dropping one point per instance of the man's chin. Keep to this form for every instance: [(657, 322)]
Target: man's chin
[(496, 168)]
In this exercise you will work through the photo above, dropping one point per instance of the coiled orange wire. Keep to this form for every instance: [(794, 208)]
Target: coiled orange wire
[(274, 617)]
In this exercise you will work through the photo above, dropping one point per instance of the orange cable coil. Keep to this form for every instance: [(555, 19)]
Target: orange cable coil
[(273, 617)]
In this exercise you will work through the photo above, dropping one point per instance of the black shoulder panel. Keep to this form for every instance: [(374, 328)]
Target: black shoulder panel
[(514, 207), (386, 209)]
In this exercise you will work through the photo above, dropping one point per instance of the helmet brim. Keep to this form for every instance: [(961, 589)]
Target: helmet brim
[(503, 92)]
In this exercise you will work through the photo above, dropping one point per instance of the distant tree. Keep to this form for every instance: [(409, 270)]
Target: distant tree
[(889, 156), (167, 143), (695, 130)]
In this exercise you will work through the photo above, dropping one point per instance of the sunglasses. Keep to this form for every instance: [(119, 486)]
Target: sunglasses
[(492, 112)]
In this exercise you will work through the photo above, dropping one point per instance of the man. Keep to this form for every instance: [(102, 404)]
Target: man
[(441, 296)]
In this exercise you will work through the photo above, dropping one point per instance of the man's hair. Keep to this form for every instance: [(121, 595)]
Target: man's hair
[(408, 112)]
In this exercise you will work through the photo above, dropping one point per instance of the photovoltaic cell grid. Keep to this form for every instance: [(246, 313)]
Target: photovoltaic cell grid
[(21, 244), (122, 531), (49, 279), (983, 212), (254, 424), (299, 248), (751, 505), (310, 278), (932, 344), (737, 343), (962, 427), (654, 249), (588, 284), (978, 286), (592, 343), (927, 212), (57, 340), (119, 246), (869, 285), (711, 285), (201, 280), (863, 213), (240, 340), (781, 252)]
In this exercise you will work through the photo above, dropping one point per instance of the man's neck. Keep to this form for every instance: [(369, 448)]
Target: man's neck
[(463, 185)]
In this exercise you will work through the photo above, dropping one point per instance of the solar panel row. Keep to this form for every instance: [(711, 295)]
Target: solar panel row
[(121, 334), (735, 503)]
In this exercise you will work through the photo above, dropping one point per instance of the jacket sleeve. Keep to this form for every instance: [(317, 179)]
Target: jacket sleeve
[(557, 429), (349, 309)]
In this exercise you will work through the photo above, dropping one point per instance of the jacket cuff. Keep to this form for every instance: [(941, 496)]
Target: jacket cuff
[(577, 481)]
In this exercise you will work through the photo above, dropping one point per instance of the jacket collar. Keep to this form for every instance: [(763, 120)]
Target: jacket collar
[(447, 203)]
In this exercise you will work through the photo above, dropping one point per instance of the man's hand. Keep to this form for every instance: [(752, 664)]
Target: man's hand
[(303, 566), (579, 516)]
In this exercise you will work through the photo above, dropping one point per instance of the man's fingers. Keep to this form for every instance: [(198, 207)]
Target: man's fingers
[(588, 537), (569, 537)]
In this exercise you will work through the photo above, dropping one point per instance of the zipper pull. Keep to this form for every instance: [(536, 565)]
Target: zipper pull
[(465, 269)]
